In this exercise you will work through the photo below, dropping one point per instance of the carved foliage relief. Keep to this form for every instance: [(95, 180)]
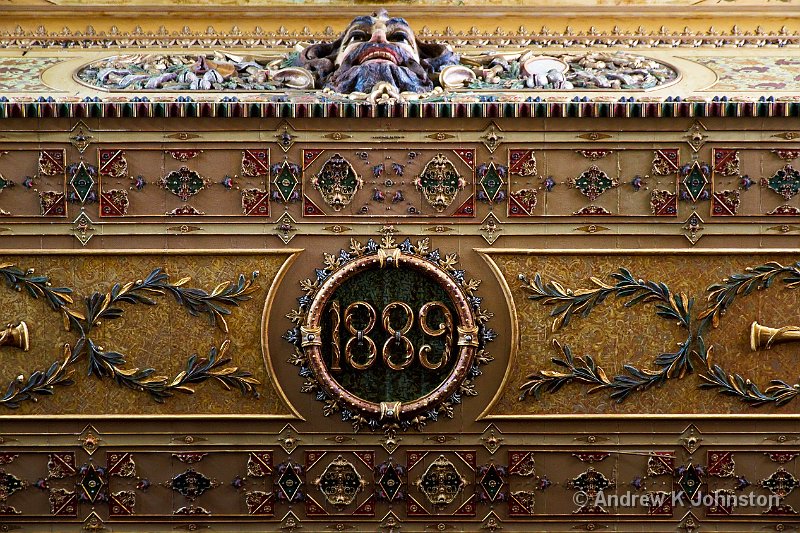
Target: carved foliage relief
[(124, 333), (659, 335)]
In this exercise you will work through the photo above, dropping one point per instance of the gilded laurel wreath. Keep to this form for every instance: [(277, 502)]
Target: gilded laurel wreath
[(720, 298), (673, 307), (568, 304), (215, 305)]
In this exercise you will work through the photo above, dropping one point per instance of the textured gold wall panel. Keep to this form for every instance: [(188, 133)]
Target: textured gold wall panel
[(616, 335), (161, 336)]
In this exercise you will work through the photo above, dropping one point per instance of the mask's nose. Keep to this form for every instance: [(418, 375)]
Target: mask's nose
[(379, 36)]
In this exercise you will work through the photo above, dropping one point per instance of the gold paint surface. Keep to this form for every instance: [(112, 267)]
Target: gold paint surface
[(615, 335), (162, 336), (485, 15)]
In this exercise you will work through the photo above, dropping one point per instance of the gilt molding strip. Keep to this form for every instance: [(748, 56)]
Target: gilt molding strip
[(37, 35)]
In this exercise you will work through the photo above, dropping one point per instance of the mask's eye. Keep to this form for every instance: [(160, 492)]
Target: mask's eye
[(358, 36), (398, 37)]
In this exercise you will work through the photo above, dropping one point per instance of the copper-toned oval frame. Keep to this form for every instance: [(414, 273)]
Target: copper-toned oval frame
[(444, 390)]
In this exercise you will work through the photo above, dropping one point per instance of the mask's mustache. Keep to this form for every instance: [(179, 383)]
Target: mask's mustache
[(360, 53)]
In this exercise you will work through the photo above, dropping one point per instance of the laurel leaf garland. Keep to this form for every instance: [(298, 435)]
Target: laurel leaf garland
[(111, 364), (569, 303)]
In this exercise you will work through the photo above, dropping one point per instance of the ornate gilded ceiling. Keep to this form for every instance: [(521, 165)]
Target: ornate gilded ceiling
[(311, 266)]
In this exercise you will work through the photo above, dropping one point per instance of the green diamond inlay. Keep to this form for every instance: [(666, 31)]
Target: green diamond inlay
[(91, 483), (82, 182), (390, 481), (4, 183), (286, 181), (785, 182), (690, 481), (695, 182), (289, 482), (492, 482), (491, 182)]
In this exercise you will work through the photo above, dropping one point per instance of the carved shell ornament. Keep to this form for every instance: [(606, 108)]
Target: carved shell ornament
[(394, 358)]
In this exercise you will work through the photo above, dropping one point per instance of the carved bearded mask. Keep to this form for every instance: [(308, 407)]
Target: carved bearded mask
[(376, 49)]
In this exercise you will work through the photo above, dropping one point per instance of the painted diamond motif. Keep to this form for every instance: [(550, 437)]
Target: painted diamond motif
[(92, 483), (9, 484), (183, 183), (191, 484), (5, 183), (82, 182), (690, 481), (83, 228), (781, 483), (491, 182), (289, 482), (390, 481), (340, 482), (285, 181), (492, 482), (785, 182), (695, 181), (441, 483), (593, 182)]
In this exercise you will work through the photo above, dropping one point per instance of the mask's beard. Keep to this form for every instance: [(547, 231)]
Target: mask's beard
[(407, 75), (363, 78)]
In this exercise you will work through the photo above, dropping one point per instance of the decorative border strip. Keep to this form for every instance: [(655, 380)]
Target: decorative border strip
[(232, 107), (285, 229), (211, 39)]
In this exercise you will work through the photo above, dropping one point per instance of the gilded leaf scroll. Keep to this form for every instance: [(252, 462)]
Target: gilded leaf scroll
[(674, 307), (581, 302), (215, 305)]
